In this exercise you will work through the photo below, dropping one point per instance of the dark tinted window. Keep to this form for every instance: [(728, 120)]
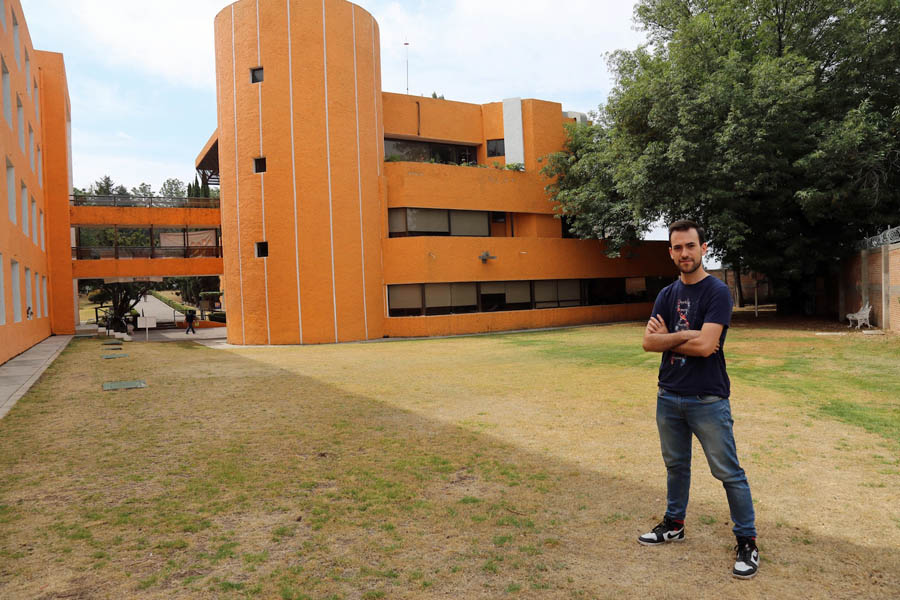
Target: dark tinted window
[(496, 148)]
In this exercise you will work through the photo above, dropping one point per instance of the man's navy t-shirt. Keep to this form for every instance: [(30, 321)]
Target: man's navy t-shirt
[(689, 307)]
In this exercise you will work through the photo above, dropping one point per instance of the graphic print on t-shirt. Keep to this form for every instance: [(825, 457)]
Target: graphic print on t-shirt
[(682, 310)]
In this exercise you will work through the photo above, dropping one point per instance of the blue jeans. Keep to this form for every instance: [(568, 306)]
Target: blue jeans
[(709, 418)]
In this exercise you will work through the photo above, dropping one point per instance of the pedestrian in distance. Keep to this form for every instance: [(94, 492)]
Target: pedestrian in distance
[(189, 318), (688, 325)]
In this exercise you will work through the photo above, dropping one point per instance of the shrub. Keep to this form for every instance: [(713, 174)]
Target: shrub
[(218, 317)]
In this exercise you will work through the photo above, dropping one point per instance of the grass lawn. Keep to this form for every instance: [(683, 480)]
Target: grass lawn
[(506, 466), (86, 308)]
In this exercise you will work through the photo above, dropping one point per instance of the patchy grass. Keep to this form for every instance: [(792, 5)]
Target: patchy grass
[(519, 465)]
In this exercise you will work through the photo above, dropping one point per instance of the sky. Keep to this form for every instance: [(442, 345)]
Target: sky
[(142, 85)]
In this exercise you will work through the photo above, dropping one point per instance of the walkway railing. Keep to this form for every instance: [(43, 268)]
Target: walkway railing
[(144, 201), (126, 252), (891, 236)]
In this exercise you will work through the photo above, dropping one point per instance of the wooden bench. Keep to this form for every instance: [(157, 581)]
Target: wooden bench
[(861, 316)]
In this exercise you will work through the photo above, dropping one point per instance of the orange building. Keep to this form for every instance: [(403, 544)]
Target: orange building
[(349, 213), (35, 269)]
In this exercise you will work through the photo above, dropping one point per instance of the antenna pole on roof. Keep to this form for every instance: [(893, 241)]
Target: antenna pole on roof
[(407, 67)]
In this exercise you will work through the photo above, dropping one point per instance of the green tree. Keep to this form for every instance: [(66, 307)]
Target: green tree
[(121, 298), (775, 124), (144, 190), (173, 188)]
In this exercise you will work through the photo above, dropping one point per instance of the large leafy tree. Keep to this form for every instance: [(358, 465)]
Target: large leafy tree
[(774, 123)]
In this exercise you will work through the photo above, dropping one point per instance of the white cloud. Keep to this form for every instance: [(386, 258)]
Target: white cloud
[(484, 51), (167, 39)]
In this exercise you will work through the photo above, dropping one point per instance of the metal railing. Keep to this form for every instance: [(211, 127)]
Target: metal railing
[(126, 252), (891, 236), (144, 201)]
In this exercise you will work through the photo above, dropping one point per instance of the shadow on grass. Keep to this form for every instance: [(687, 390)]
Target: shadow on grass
[(228, 477)]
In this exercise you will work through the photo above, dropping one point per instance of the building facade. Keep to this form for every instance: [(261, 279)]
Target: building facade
[(349, 213), (35, 267)]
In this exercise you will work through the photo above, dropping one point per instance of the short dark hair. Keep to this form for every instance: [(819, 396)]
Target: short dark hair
[(686, 225)]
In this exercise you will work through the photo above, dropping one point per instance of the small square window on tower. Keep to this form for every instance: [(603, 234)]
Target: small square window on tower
[(256, 75), (259, 165), (262, 249)]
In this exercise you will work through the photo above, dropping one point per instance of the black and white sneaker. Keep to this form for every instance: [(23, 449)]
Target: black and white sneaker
[(667, 531), (746, 563)]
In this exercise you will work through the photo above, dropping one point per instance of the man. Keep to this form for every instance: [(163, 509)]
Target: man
[(189, 318), (688, 325)]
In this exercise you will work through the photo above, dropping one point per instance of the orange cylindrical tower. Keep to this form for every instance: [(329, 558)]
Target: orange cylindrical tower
[(300, 155)]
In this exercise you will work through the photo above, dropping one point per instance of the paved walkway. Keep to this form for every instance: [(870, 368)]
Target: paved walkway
[(179, 335), (150, 306), (17, 375)]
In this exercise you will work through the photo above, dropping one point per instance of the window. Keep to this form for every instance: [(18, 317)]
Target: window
[(505, 295), (473, 223), (31, 146), (405, 300), (16, 292), (403, 222), (24, 209), (256, 75), (37, 296), (427, 221), (46, 309), (37, 103), (40, 167), (3, 13), (496, 148), (262, 249), (259, 165), (16, 42), (435, 152), (42, 231), (2, 291), (21, 116), (11, 191), (27, 74), (29, 312), (34, 222), (7, 93)]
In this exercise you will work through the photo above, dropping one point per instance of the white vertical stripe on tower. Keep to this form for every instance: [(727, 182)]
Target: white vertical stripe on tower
[(379, 161), (375, 104), (362, 241), (294, 169), (328, 155), (237, 169), (262, 182)]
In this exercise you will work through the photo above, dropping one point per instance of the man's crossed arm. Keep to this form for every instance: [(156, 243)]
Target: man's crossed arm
[(691, 342)]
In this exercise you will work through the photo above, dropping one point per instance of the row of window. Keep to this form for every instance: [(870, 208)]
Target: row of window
[(35, 299), (417, 299), (36, 229), (146, 242), (434, 152), (403, 222)]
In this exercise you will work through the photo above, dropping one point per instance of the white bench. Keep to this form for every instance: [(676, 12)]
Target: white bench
[(861, 316)]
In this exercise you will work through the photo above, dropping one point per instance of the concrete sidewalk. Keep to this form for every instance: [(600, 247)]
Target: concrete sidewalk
[(179, 335), (17, 375)]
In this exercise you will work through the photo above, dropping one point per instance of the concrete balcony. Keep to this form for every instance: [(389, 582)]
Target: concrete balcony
[(162, 212), (447, 259), (428, 185)]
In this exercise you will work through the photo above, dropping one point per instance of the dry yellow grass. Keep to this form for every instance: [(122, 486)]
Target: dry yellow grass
[(520, 465)]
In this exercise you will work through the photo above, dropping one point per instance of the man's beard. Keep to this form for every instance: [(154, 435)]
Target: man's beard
[(696, 266)]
